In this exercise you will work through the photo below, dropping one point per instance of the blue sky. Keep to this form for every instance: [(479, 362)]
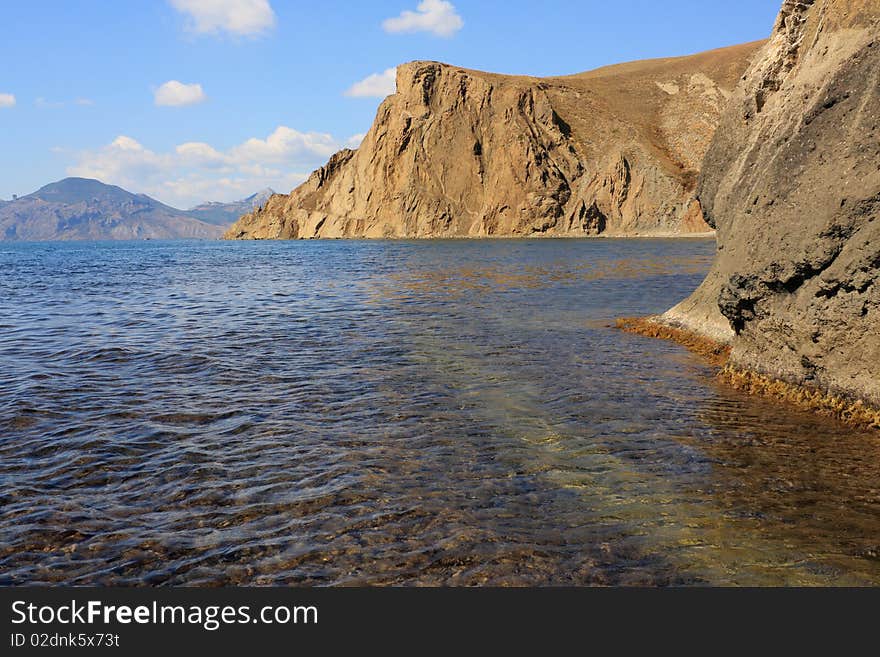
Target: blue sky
[(194, 100)]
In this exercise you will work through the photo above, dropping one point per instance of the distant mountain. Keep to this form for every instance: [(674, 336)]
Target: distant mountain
[(84, 209), (225, 214)]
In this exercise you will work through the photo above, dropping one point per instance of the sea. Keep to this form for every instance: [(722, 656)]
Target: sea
[(399, 413)]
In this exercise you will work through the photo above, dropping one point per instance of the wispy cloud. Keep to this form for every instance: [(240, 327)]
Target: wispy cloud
[(7, 100), (193, 172), (237, 17), (178, 94), (44, 103), (438, 17), (377, 85)]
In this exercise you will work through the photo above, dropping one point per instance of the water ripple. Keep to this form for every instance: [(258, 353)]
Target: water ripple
[(398, 413)]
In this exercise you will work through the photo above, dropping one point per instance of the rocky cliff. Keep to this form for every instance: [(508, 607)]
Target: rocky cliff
[(792, 183), (462, 153)]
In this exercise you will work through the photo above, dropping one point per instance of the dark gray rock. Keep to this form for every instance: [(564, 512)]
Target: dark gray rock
[(791, 181)]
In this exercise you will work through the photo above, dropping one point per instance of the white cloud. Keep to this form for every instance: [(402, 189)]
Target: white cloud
[(84, 102), (257, 170), (198, 153), (123, 160), (124, 143), (177, 94), (435, 16), (355, 140), (193, 172), (189, 190), (7, 100), (239, 17), (284, 144), (377, 85)]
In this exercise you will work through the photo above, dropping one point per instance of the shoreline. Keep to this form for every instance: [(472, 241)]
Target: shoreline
[(461, 238), (476, 238), (851, 412)]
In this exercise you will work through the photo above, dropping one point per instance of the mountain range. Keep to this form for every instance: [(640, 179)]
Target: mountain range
[(225, 214), (86, 209)]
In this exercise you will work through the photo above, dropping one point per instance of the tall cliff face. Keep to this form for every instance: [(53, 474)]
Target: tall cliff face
[(792, 183), (461, 153)]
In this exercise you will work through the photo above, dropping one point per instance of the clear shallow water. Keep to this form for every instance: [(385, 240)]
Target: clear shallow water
[(398, 412)]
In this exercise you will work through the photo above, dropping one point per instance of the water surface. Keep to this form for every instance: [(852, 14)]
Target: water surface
[(437, 412)]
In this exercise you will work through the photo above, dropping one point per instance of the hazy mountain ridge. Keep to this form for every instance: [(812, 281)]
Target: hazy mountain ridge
[(86, 209), (226, 214)]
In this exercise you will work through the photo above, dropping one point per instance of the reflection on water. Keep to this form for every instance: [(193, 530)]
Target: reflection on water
[(398, 412)]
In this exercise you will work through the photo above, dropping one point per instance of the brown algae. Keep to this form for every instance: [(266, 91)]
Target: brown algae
[(852, 412), (714, 352)]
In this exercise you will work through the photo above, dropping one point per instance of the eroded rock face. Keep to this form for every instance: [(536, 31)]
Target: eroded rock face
[(460, 153), (792, 183)]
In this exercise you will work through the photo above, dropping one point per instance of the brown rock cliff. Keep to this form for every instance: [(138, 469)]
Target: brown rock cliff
[(461, 153)]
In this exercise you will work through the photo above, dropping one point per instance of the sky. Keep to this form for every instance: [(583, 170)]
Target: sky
[(213, 100)]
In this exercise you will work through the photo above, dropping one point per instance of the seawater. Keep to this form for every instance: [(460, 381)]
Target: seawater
[(399, 412)]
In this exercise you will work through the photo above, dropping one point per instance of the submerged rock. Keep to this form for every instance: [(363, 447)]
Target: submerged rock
[(462, 153), (792, 184)]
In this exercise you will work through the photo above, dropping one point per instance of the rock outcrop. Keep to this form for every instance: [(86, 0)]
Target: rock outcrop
[(462, 153), (792, 184)]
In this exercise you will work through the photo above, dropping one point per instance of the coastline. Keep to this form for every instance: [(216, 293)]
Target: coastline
[(852, 412), (369, 238)]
